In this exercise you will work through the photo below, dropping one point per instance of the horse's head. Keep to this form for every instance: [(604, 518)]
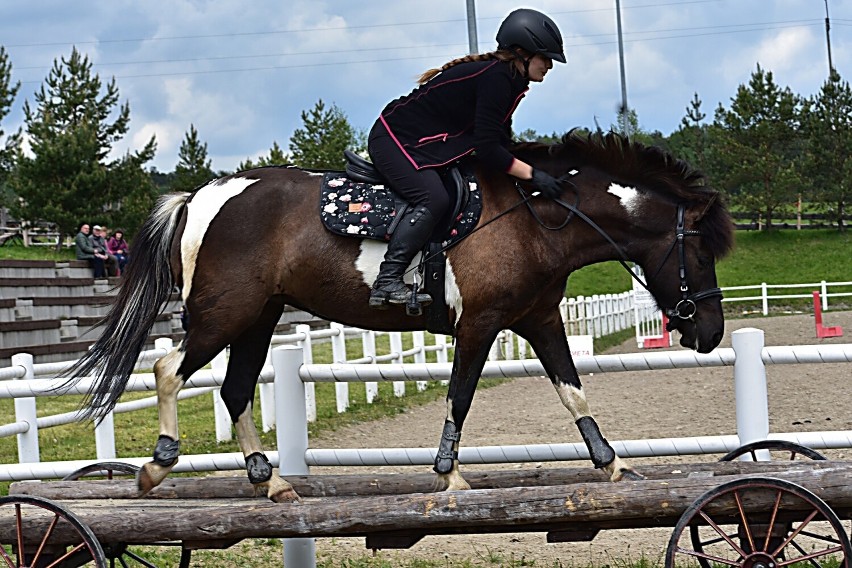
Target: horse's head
[(681, 272)]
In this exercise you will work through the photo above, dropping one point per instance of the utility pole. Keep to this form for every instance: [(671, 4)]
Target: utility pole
[(625, 123), (472, 41), (828, 39)]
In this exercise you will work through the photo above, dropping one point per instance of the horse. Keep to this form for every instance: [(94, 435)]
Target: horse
[(242, 247)]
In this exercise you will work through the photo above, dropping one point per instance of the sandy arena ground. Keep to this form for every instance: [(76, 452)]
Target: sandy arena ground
[(629, 405)]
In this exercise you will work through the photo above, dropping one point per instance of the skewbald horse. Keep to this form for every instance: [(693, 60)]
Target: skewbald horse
[(242, 247)]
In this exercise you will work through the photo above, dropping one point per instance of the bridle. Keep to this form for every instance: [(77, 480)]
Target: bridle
[(685, 308)]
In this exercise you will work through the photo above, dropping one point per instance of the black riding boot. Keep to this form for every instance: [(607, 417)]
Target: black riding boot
[(409, 237)]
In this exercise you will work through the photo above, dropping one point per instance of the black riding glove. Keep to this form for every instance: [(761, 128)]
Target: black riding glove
[(546, 184)]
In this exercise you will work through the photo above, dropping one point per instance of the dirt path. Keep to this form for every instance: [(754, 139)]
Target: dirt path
[(630, 405)]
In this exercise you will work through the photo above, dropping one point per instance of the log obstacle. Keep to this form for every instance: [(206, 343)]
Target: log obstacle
[(396, 511), (823, 331)]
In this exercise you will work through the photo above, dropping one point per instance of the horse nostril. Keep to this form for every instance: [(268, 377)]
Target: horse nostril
[(717, 338)]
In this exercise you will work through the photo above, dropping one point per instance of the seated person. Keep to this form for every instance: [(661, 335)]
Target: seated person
[(118, 247), (85, 251), (98, 243)]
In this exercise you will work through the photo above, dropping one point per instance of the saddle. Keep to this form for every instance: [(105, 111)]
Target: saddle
[(359, 203)]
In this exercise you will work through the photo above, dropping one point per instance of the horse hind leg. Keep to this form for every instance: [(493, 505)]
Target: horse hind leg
[(248, 353), (167, 450)]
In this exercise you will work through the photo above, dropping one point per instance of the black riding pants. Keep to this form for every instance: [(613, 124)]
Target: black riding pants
[(418, 187)]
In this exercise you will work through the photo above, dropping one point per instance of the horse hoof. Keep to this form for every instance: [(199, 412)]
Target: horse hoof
[(285, 496), (149, 476), (629, 474)]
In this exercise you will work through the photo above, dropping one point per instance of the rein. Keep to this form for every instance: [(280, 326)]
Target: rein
[(685, 308)]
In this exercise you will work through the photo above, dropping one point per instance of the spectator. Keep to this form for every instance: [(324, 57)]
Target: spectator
[(85, 251), (98, 242), (117, 246)]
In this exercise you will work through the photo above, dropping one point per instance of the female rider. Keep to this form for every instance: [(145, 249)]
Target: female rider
[(464, 106)]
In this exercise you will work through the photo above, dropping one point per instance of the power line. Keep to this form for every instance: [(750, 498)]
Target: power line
[(331, 28)]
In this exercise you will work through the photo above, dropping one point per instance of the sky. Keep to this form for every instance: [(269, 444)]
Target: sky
[(243, 72)]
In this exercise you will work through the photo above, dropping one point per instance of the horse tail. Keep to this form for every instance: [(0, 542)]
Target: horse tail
[(142, 295)]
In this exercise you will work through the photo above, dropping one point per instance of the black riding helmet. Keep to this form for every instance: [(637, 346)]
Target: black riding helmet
[(533, 31)]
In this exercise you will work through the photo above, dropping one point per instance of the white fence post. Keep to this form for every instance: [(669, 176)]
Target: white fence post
[(368, 343), (25, 410), (105, 437), (750, 386), (267, 400), (221, 416), (395, 338), (441, 355), (764, 294), (292, 438), (824, 293), (418, 339), (307, 359), (338, 354)]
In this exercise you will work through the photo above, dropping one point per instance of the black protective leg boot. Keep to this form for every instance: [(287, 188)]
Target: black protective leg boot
[(407, 240)]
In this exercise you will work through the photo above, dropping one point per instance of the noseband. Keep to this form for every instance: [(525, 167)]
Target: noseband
[(685, 308)]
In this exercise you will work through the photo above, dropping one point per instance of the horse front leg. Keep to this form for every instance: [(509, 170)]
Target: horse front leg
[(167, 450), (470, 356), (546, 335), (258, 468)]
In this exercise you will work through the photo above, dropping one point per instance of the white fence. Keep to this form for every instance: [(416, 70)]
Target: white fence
[(765, 292), (748, 357)]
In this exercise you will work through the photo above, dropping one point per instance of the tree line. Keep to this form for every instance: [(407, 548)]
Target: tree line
[(766, 150)]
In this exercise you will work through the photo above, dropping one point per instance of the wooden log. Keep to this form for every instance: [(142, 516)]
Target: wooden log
[(387, 484), (546, 508)]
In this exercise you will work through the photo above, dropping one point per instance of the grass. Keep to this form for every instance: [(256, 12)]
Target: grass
[(17, 251)]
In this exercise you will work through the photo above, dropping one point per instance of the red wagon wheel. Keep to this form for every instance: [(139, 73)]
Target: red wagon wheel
[(759, 522), (778, 449), (38, 522), (119, 551), (103, 469)]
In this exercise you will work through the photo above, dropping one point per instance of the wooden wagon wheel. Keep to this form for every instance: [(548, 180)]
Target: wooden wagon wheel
[(120, 551), (38, 521), (103, 469), (759, 522), (786, 450)]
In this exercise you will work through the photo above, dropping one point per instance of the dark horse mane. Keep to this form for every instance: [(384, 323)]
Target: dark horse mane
[(635, 163)]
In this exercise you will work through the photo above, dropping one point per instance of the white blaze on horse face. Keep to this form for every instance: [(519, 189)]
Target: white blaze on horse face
[(371, 256), (629, 197), (200, 212)]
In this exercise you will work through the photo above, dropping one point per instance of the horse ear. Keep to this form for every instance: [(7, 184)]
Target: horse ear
[(707, 207)]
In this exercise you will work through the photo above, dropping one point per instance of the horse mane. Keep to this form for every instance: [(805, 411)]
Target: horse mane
[(649, 166)]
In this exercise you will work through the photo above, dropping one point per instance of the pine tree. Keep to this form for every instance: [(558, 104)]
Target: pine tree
[(8, 145), (193, 168), (69, 178), (276, 157), (757, 144), (321, 142), (828, 161)]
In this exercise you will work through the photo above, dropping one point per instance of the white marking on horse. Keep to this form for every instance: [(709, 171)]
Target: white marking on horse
[(200, 212), (574, 400), (629, 196), (452, 294), (247, 433), (169, 384), (371, 256)]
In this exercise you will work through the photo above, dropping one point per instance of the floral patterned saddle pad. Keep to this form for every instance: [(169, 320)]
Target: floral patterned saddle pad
[(363, 210)]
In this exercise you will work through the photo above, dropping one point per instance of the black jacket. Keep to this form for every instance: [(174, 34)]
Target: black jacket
[(465, 108)]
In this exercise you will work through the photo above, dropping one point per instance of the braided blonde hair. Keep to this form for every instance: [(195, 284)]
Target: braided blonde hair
[(500, 55)]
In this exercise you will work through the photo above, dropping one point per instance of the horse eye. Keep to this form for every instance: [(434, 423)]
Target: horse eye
[(705, 261)]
